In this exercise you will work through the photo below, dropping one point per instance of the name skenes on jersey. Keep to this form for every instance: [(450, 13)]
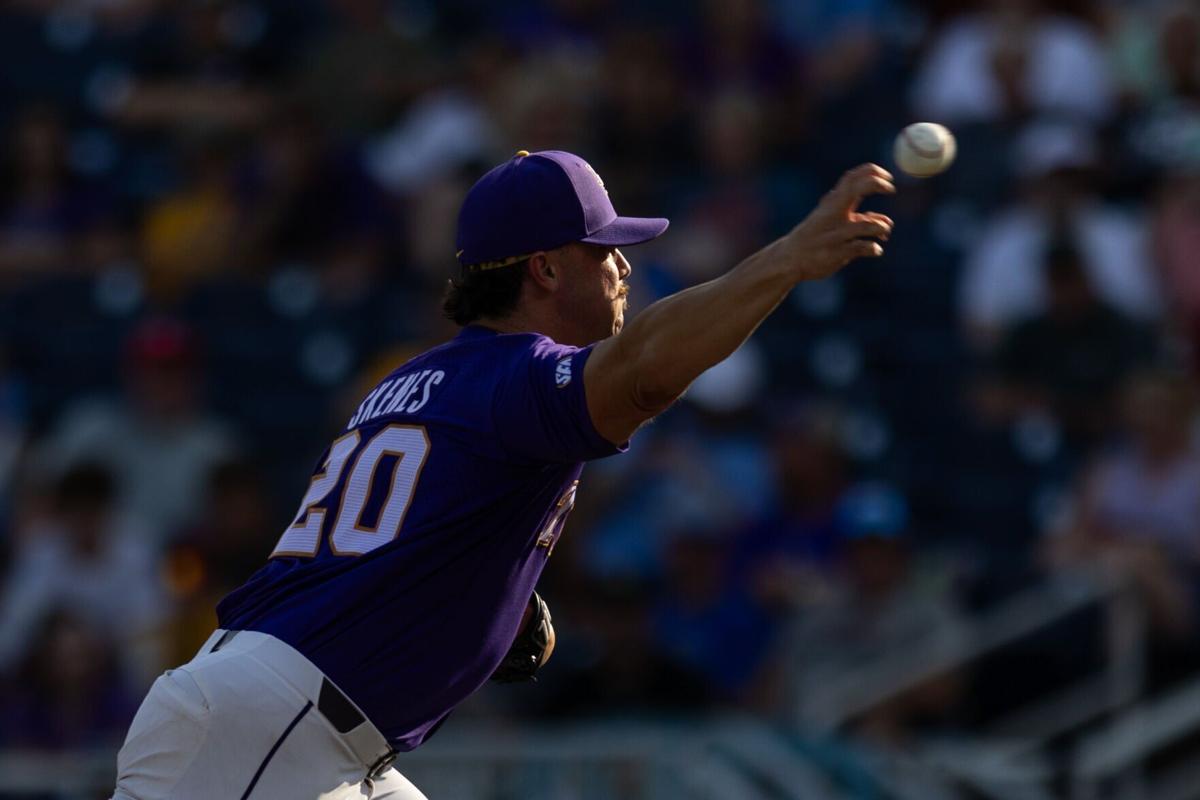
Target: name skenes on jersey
[(406, 571)]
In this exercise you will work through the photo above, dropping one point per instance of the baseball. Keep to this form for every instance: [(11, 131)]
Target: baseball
[(924, 149)]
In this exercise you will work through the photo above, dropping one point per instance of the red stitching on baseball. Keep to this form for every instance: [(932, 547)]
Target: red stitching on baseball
[(919, 150)]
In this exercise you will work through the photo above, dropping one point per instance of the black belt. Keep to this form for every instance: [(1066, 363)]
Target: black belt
[(336, 708)]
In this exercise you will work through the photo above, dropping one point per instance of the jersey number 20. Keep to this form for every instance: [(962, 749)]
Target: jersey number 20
[(401, 450)]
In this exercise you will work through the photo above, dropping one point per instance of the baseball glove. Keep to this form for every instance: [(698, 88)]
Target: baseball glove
[(532, 647)]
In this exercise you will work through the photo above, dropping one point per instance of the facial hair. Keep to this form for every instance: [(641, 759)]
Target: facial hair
[(619, 317)]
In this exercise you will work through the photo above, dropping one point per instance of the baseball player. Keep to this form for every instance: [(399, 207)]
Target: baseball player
[(407, 578)]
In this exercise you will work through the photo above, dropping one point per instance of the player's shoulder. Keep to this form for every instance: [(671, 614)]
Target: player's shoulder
[(510, 364), (480, 358), (477, 341)]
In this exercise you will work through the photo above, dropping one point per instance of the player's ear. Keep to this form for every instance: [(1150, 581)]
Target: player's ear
[(543, 271)]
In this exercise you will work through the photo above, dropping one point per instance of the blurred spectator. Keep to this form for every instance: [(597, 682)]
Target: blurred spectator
[(432, 219), (708, 472), (613, 664), (1004, 277), (1157, 52), (227, 545), (160, 442), (445, 128), (668, 485), (738, 48), (1176, 239), (42, 205), (67, 691), (727, 213), (705, 620), (199, 69), (186, 236), (300, 191), (884, 607), (841, 41), (1010, 60), (1138, 510), (1179, 42), (1069, 360), (90, 560), (364, 69), (363, 298), (719, 611), (787, 554), (1159, 49), (545, 103), (643, 123)]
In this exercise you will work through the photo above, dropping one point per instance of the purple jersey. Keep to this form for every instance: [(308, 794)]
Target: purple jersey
[(427, 523)]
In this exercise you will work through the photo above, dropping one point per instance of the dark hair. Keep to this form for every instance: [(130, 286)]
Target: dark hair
[(484, 293)]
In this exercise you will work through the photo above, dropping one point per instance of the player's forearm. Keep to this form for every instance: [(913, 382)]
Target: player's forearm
[(668, 345), (638, 373)]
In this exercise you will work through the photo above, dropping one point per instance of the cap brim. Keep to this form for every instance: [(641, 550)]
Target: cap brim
[(624, 231)]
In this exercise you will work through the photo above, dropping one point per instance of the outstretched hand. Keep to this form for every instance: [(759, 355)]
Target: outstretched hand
[(836, 232)]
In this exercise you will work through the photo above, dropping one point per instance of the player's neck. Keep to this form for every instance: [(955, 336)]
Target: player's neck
[(527, 321)]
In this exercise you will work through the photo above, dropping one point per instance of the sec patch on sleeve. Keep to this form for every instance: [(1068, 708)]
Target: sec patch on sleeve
[(562, 373)]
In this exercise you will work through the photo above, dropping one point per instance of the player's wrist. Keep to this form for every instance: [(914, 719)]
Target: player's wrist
[(779, 266)]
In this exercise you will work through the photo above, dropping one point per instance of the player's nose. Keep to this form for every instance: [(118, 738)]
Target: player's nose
[(623, 266)]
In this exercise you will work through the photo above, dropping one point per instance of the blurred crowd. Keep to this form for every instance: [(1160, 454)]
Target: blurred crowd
[(222, 220)]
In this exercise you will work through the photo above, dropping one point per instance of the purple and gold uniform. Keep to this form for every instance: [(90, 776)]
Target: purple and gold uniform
[(428, 521)]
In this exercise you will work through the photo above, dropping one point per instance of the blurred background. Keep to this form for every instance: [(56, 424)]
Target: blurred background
[(934, 532)]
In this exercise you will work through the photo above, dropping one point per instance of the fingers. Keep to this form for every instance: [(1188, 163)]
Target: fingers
[(862, 170), (875, 226), (871, 183), (884, 218), (863, 180), (865, 248), (836, 233)]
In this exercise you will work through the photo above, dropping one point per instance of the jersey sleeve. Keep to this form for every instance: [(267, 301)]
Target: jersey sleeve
[(541, 409)]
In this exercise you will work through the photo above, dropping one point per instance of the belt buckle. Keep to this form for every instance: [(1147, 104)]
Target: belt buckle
[(382, 764)]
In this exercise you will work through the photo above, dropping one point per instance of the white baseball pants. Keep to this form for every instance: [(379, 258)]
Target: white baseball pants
[(244, 722)]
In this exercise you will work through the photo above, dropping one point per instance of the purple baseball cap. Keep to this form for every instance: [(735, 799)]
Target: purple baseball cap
[(540, 201)]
